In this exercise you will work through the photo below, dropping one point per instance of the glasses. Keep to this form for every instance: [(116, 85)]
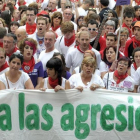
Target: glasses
[(31, 15), (58, 17), (68, 7), (92, 29), (69, 14), (8, 42), (124, 64), (80, 20)]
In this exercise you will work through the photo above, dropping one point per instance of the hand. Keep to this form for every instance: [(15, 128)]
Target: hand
[(43, 89), (114, 65), (94, 86), (80, 88), (57, 88)]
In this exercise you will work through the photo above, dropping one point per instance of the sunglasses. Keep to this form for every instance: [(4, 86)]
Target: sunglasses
[(94, 29), (58, 17)]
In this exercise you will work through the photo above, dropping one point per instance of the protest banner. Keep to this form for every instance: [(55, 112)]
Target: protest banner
[(69, 115), (122, 2)]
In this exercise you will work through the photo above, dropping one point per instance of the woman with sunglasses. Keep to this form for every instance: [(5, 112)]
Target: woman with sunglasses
[(14, 78), (119, 80), (56, 21)]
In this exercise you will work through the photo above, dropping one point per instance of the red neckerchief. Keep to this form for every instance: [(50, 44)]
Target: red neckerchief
[(78, 47), (105, 35), (130, 32), (138, 2), (28, 66), (136, 43), (70, 41), (4, 66), (30, 29), (1, 44), (54, 10), (53, 83), (54, 29), (135, 66), (119, 77), (22, 4), (15, 49), (39, 1)]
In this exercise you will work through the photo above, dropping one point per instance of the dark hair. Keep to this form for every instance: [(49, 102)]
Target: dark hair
[(63, 62), (104, 2), (128, 14), (19, 56), (13, 23), (134, 51), (32, 9), (104, 53), (13, 36), (124, 58), (78, 19), (11, 7), (2, 32), (56, 63), (136, 8), (92, 21), (22, 7), (6, 16), (112, 34)]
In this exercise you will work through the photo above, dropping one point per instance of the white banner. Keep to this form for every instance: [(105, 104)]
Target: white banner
[(69, 115)]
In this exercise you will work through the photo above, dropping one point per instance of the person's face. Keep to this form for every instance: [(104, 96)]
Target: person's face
[(57, 20), (23, 14), (51, 72), (83, 29), (16, 14), (1, 24), (88, 69), (110, 41), (20, 35), (137, 33), (2, 58), (92, 30), (28, 52), (41, 26), (11, 1), (80, 21), (84, 41), (110, 55), (1, 5), (109, 29), (110, 15), (7, 8), (128, 21), (123, 37), (68, 35), (15, 64), (52, 4), (30, 16), (63, 2), (8, 44), (13, 28), (137, 57), (122, 66), (67, 14), (49, 40), (137, 13)]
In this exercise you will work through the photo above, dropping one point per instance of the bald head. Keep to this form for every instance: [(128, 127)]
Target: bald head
[(67, 14), (20, 34)]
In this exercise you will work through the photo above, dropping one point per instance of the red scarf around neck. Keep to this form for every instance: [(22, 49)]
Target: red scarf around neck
[(53, 83), (4, 66), (22, 4), (54, 10), (70, 41), (119, 77), (15, 49), (136, 43), (78, 47), (55, 28), (30, 29), (130, 32), (28, 66), (135, 66)]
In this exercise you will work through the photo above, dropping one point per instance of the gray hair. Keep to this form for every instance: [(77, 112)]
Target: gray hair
[(110, 23)]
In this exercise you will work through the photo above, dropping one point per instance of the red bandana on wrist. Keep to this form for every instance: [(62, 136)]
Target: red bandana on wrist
[(78, 47), (30, 29), (130, 32), (136, 43), (4, 66), (54, 10), (53, 83), (28, 66), (21, 4), (119, 77), (15, 49), (135, 66), (54, 29), (70, 41)]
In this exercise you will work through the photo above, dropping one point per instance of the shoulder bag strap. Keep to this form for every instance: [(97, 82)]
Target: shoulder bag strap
[(7, 81)]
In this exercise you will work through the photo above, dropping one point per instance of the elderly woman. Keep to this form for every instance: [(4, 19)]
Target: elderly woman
[(87, 78), (14, 78), (56, 21), (3, 63), (30, 65), (119, 80), (54, 80)]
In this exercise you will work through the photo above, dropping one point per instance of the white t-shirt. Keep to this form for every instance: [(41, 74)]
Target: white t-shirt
[(103, 67), (46, 83), (4, 71), (45, 57), (17, 85), (58, 31), (124, 86), (75, 81), (82, 12)]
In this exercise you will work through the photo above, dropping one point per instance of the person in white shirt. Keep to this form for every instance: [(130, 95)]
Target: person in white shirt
[(49, 40)]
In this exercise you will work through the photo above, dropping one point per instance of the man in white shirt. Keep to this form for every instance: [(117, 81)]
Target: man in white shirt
[(49, 40)]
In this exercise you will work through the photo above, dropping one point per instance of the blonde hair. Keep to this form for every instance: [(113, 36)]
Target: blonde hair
[(67, 27), (3, 22)]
